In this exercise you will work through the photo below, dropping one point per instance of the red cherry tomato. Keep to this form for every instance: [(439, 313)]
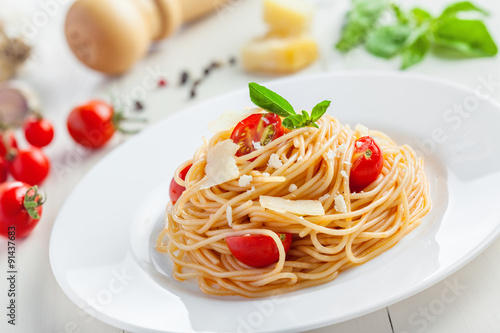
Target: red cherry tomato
[(91, 124), (11, 142), (257, 250), (259, 128), (30, 166), (176, 190), (38, 132), (367, 162), (4, 169), (20, 209)]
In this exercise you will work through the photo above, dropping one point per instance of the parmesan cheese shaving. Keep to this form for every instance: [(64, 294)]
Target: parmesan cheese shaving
[(340, 149), (245, 180), (331, 155), (221, 164), (229, 119), (274, 161), (257, 145), (299, 207), (344, 174), (324, 197), (340, 205), (292, 187)]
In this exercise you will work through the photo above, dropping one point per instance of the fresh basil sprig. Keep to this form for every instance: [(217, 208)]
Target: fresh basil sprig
[(413, 33), (274, 103)]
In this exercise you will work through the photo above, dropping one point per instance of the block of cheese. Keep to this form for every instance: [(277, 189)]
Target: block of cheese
[(287, 17), (280, 55)]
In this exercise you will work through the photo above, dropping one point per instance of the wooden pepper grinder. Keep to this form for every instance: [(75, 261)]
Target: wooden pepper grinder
[(111, 35)]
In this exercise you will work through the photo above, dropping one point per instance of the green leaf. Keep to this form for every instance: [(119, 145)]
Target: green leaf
[(400, 15), (269, 100), (465, 6), (469, 37), (360, 21), (387, 41), (294, 121), (319, 110), (420, 15), (415, 53)]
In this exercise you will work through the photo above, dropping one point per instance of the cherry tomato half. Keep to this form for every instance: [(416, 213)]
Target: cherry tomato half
[(257, 250), (30, 165), (11, 142), (18, 215), (91, 124), (367, 162), (38, 132), (259, 128), (176, 190)]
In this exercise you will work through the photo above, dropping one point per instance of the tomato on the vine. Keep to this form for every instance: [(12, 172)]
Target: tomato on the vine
[(175, 189), (38, 131), (4, 169), (257, 250), (91, 124), (29, 165), (367, 163), (20, 209), (7, 140), (256, 130)]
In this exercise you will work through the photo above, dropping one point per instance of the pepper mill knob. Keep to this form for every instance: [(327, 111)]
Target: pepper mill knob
[(111, 35)]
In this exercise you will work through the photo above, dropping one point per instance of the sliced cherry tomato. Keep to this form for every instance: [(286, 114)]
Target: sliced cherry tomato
[(91, 124), (20, 209), (4, 169), (11, 142), (257, 250), (367, 162), (30, 166), (38, 131), (176, 190), (258, 128)]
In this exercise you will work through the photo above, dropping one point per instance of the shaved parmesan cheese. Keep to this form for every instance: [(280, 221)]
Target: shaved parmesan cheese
[(292, 187), (251, 190), (331, 155), (274, 161), (221, 164), (344, 174), (257, 145), (324, 197), (299, 207), (229, 119), (229, 215), (347, 163), (245, 180), (340, 205), (265, 174), (362, 130), (340, 149), (359, 144)]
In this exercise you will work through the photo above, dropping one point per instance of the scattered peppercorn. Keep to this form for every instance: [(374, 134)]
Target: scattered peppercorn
[(138, 106), (232, 60), (184, 78)]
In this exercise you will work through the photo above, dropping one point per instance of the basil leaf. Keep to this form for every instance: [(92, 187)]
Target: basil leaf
[(387, 41), (360, 21), (269, 100), (294, 121), (400, 15), (319, 110), (415, 53), (469, 37), (465, 6), (420, 15)]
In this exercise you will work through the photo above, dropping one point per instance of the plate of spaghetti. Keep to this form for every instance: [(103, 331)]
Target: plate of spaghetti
[(290, 206)]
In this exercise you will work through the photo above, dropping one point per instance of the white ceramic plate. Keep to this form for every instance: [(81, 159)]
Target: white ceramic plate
[(102, 245)]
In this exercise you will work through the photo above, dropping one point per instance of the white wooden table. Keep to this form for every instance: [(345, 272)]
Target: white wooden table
[(467, 301)]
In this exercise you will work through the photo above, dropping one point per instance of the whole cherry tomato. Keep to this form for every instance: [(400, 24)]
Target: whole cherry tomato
[(367, 163), (20, 209), (4, 169), (257, 250), (256, 129), (38, 131), (30, 165), (10, 143), (175, 189), (92, 124)]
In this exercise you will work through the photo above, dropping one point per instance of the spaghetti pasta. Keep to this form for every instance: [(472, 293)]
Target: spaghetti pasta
[(315, 165)]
